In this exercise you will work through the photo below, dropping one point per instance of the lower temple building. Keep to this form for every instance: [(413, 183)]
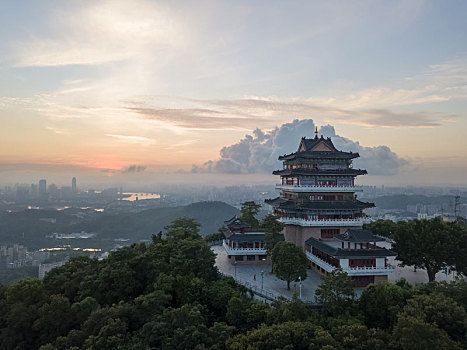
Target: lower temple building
[(319, 207), (355, 252), (243, 243)]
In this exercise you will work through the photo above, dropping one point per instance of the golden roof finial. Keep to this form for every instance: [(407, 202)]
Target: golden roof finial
[(316, 132)]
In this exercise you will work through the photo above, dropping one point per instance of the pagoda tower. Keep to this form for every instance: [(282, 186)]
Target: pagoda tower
[(318, 192), (322, 215)]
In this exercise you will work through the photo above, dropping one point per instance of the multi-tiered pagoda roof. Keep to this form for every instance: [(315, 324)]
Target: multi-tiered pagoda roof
[(319, 147)]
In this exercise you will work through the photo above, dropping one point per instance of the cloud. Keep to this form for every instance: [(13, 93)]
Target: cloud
[(59, 131), (192, 118), (390, 119), (246, 114), (258, 153), (105, 31), (139, 140), (134, 169)]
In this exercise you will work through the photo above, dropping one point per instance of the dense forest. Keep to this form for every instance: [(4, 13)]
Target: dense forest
[(169, 295)]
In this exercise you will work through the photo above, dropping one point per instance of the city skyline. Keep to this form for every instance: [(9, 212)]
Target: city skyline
[(113, 92)]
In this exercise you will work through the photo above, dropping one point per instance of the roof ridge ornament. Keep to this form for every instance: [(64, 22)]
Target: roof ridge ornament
[(316, 132)]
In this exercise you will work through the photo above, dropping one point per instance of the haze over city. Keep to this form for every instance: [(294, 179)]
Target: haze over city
[(214, 91)]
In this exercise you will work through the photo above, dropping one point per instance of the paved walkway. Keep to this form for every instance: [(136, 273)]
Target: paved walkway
[(407, 272), (252, 274), (247, 273)]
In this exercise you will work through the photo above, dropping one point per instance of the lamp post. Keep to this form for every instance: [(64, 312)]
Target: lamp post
[(300, 279), (235, 266), (262, 274)]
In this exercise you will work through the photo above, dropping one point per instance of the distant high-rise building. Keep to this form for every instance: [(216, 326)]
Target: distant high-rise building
[(53, 190), (42, 186), (73, 185), (34, 190)]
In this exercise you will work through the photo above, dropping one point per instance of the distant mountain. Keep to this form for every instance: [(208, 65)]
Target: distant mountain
[(30, 229), (141, 225)]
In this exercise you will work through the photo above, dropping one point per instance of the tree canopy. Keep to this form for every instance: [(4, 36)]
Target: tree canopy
[(431, 245), (289, 262), (272, 228), (335, 291), (169, 295), (385, 228), (249, 211)]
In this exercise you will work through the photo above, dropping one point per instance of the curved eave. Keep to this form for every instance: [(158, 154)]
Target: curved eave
[(275, 202), (285, 204), (319, 155), (313, 172)]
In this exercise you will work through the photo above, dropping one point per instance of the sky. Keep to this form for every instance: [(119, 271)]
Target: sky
[(148, 91)]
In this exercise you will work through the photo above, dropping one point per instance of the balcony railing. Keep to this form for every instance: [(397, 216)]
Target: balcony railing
[(243, 251), (320, 262), (369, 270), (325, 222), (352, 271), (315, 188)]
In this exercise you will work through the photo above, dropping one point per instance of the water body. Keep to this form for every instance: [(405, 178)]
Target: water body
[(138, 196)]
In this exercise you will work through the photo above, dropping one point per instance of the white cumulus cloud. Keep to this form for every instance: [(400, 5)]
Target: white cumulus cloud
[(258, 153)]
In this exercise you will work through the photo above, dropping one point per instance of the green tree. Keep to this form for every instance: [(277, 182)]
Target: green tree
[(357, 336), (182, 228), (66, 279), (412, 333), (336, 291), (272, 228), (460, 251), (113, 335), (439, 310), (380, 304), (289, 262), (428, 244), (54, 319), (271, 224), (456, 290), (385, 228), (249, 211), (214, 237), (288, 335)]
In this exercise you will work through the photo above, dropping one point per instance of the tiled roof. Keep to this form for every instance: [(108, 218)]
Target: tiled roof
[(319, 155), (249, 237), (319, 205), (311, 172), (275, 201), (359, 236), (236, 223), (310, 148), (309, 144), (349, 253)]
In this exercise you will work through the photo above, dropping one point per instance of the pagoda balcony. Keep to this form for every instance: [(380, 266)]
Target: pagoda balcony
[(325, 222), (243, 251), (316, 188), (352, 271)]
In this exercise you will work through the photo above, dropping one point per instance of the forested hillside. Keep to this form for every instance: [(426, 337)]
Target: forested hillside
[(169, 295), (28, 229)]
